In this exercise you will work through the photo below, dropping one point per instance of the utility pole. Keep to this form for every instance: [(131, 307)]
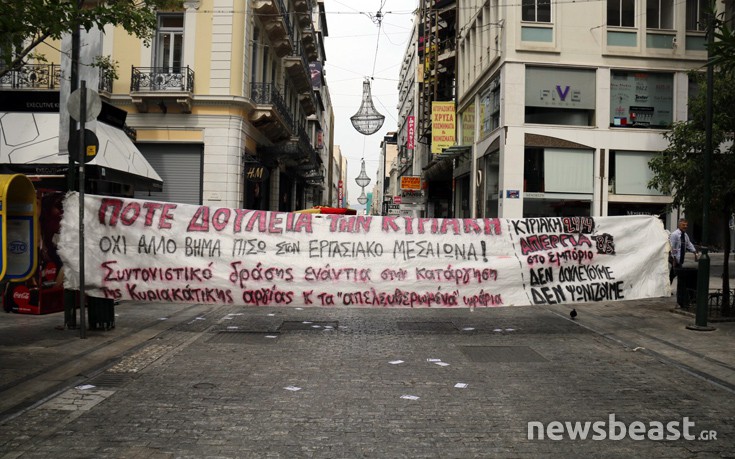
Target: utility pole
[(73, 86), (704, 260), (80, 155), (70, 314)]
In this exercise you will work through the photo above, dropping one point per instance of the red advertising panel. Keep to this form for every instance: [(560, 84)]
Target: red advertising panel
[(411, 133)]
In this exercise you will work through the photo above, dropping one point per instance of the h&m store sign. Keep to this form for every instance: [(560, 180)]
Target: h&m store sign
[(255, 173)]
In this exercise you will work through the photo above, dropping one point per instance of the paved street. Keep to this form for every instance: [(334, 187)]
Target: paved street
[(201, 381)]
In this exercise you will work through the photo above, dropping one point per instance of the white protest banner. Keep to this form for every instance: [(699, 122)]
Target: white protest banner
[(166, 252)]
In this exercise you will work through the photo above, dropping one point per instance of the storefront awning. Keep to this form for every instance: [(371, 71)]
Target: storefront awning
[(440, 166), (29, 144)]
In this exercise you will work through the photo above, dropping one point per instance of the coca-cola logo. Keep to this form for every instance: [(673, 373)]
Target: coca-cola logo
[(49, 273), (21, 296)]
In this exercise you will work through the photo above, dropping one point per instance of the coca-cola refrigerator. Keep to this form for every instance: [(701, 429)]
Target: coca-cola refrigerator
[(38, 295), (42, 293)]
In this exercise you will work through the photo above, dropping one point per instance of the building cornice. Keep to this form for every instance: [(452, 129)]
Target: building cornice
[(192, 4)]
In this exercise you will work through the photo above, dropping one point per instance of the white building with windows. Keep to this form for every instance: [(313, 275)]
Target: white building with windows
[(229, 88), (562, 104)]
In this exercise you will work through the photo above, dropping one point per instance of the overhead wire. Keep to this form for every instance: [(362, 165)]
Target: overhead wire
[(375, 58), (386, 109), (391, 41), (377, 19), (393, 12)]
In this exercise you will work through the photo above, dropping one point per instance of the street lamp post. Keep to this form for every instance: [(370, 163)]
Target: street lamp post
[(704, 260), (73, 85)]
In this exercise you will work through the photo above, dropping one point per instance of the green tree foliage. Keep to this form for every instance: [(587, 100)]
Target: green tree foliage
[(24, 24), (679, 170), (722, 50)]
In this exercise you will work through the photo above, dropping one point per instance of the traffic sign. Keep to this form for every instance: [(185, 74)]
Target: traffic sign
[(91, 146), (93, 107)]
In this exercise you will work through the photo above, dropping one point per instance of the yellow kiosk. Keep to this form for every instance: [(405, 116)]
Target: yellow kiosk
[(18, 227), (19, 244)]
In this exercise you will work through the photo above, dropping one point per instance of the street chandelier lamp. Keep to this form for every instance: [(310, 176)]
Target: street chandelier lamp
[(362, 180), (367, 120), (362, 199)]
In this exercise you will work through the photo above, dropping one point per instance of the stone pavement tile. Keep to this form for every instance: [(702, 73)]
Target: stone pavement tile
[(77, 400), (650, 326), (41, 360), (221, 399)]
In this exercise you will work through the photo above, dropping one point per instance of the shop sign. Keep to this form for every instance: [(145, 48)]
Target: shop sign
[(560, 88), (411, 182), (442, 126), (256, 173), (411, 128), (412, 197)]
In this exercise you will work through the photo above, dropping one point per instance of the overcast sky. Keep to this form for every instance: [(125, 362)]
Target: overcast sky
[(351, 48)]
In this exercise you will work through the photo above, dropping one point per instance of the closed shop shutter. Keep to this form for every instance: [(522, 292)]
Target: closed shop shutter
[(180, 168)]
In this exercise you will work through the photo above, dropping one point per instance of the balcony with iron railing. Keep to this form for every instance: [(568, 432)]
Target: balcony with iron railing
[(308, 102), (297, 68), (303, 9), (268, 7), (162, 86), (314, 177), (308, 39), (304, 140), (153, 79), (308, 163), (309, 155), (270, 115), (47, 77), (308, 159), (106, 82), (278, 25), (296, 154), (32, 76), (303, 6), (300, 129)]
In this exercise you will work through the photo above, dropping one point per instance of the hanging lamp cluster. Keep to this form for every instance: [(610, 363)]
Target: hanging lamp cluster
[(362, 181), (362, 199), (367, 120)]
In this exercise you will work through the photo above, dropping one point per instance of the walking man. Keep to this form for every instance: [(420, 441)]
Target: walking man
[(680, 245)]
